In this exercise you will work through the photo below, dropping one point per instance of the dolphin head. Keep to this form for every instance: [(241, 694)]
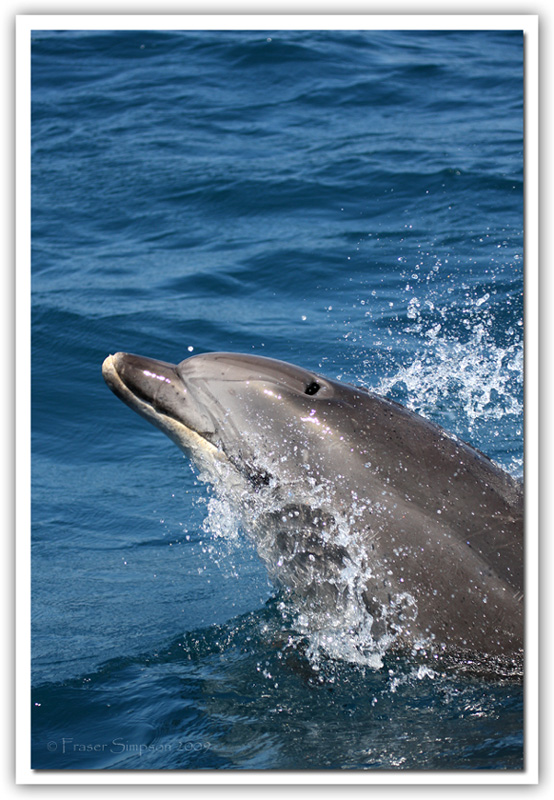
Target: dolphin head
[(256, 413), (268, 435)]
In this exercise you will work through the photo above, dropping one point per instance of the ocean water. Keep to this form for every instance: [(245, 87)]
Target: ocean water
[(348, 201)]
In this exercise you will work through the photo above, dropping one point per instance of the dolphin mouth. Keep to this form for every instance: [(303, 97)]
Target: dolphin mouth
[(155, 391), (111, 376), (140, 377)]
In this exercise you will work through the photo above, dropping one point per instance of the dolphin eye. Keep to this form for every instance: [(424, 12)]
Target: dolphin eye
[(312, 388)]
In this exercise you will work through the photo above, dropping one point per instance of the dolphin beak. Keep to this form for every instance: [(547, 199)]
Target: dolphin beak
[(133, 377), (144, 377), (156, 391)]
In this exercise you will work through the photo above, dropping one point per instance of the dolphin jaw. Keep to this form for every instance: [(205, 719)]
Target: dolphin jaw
[(187, 439)]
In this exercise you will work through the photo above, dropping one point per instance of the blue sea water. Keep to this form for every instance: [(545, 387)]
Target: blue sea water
[(350, 201)]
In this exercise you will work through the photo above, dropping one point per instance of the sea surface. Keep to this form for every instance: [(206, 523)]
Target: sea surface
[(350, 201)]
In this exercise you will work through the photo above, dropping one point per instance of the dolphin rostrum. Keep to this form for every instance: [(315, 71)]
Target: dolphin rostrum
[(365, 512)]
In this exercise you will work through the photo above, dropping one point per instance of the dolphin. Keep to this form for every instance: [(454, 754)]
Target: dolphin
[(370, 516)]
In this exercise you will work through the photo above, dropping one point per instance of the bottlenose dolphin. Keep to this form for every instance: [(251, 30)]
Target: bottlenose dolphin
[(357, 505)]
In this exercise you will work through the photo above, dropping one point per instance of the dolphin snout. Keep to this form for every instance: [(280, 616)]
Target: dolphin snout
[(146, 378)]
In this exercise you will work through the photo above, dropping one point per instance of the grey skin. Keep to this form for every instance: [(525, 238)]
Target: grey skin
[(350, 498)]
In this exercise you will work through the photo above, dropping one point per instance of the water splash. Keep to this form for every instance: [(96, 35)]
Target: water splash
[(460, 359), (483, 379), (314, 555)]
